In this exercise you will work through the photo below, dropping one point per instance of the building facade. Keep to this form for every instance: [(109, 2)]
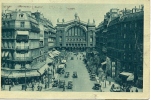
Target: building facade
[(124, 41), (23, 50), (75, 34)]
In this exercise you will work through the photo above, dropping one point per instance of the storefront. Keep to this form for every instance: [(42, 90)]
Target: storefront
[(19, 76)]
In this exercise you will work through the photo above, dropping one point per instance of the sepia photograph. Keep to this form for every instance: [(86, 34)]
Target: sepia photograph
[(76, 47)]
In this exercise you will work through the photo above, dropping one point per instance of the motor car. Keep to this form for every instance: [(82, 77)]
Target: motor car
[(61, 83), (70, 85), (75, 75), (66, 75), (96, 86), (92, 77), (115, 88), (55, 83)]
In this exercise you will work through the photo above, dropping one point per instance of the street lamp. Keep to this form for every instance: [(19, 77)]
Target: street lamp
[(49, 77), (25, 76)]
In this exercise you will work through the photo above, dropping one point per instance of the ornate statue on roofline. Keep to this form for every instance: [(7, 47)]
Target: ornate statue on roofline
[(62, 20), (58, 20), (76, 15), (93, 21)]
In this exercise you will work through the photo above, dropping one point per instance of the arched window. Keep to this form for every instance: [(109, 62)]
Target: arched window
[(91, 39)]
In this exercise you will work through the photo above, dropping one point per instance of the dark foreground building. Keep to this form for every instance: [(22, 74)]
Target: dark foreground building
[(121, 40)]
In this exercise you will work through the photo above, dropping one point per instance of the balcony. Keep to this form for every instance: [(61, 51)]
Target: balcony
[(8, 37), (52, 36), (35, 28), (8, 48), (22, 48), (20, 38), (18, 27)]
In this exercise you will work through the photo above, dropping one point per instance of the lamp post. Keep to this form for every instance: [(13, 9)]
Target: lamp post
[(25, 76), (49, 77)]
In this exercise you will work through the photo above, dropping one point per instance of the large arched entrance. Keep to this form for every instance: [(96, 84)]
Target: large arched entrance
[(76, 35)]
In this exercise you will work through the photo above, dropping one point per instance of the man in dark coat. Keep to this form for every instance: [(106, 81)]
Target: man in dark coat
[(64, 88)]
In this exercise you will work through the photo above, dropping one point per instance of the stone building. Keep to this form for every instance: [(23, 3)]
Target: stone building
[(23, 49), (124, 41), (75, 34)]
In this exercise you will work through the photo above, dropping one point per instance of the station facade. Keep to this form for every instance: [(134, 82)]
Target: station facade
[(75, 35)]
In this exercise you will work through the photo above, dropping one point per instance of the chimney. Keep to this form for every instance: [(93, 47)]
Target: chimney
[(123, 12), (142, 8)]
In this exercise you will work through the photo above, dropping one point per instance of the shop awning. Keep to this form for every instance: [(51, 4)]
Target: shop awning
[(126, 73), (22, 32), (3, 54), (130, 78), (18, 74), (103, 63), (42, 69), (6, 54), (51, 55), (56, 52)]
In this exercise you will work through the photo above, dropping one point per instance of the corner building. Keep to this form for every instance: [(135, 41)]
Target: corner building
[(23, 48), (75, 35)]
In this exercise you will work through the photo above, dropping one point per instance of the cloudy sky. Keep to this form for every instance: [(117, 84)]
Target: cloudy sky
[(67, 11)]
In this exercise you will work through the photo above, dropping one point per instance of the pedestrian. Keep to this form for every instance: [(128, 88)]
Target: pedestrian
[(38, 87), (64, 88), (10, 87), (100, 89), (109, 82), (45, 85), (25, 87), (32, 87), (136, 90), (105, 84)]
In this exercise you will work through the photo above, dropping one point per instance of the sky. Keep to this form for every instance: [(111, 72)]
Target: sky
[(67, 11)]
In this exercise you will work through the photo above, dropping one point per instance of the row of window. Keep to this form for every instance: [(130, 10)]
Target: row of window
[(75, 44), (78, 39)]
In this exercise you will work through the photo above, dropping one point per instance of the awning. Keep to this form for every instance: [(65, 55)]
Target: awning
[(51, 55), (130, 78), (3, 54), (18, 74), (103, 63), (56, 52), (22, 32), (126, 73), (6, 54), (42, 69), (49, 60)]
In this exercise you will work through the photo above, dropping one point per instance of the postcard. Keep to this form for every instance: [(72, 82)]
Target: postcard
[(75, 49)]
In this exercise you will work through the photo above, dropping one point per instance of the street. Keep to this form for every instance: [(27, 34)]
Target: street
[(80, 84)]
